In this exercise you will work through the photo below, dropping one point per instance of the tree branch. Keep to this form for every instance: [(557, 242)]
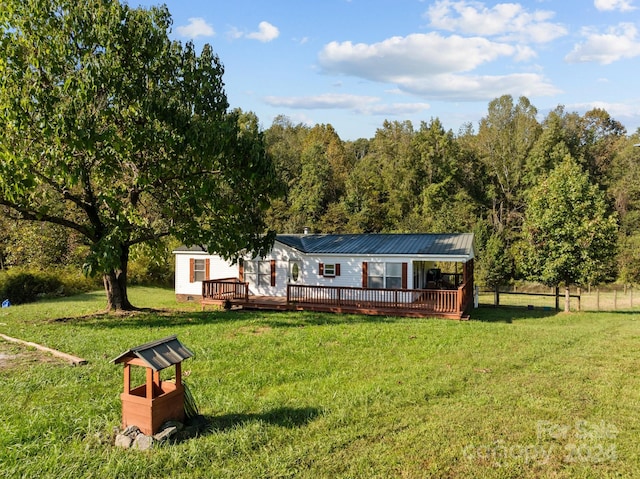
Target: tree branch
[(149, 237), (29, 215)]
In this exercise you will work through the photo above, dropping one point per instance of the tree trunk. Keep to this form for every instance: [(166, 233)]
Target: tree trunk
[(115, 285), (567, 300)]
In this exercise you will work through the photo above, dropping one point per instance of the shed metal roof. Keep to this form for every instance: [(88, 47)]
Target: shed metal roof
[(159, 354), (427, 244)]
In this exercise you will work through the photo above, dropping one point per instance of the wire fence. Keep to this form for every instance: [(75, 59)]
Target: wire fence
[(593, 299)]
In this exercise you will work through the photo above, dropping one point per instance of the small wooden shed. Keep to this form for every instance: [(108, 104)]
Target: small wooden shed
[(150, 405)]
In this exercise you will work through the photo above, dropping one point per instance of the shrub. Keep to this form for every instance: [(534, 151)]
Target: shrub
[(26, 287)]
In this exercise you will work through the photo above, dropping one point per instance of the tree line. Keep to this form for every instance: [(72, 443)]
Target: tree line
[(555, 200)]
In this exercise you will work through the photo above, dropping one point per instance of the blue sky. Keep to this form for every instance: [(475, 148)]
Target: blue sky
[(355, 63)]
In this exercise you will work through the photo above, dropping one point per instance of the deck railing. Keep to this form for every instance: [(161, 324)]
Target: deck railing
[(227, 288), (427, 300), (439, 301)]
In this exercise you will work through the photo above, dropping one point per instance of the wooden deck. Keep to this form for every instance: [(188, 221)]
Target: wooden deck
[(446, 303)]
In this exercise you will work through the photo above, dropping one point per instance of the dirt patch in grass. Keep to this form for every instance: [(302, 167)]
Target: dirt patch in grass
[(15, 356), (115, 314), (252, 330)]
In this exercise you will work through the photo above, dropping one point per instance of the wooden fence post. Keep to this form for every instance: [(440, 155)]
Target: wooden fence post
[(557, 293), (579, 295)]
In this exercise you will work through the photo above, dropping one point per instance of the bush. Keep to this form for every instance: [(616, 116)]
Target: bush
[(25, 286)]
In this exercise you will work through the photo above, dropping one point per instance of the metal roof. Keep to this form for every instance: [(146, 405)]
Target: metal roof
[(158, 354), (459, 245), (191, 249), (428, 244)]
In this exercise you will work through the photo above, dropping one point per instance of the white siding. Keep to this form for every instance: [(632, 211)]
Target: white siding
[(350, 270), (282, 255), (221, 269), (218, 268)]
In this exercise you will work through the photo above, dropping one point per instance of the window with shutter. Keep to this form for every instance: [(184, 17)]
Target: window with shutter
[(198, 270)]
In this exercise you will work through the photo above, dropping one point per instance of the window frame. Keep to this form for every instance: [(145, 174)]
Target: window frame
[(329, 270), (259, 272), (388, 276), (322, 270), (379, 275), (199, 270), (375, 281)]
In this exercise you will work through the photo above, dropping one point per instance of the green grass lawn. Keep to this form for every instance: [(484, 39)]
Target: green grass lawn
[(507, 394)]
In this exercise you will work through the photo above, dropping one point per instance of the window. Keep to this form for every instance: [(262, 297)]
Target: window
[(375, 278), (385, 275), (199, 270), (264, 273), (258, 272), (250, 268), (295, 272), (329, 269), (393, 277)]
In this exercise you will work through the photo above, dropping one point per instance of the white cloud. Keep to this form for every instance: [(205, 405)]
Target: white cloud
[(325, 101), (608, 5), (507, 21), (197, 27), (266, 33), (367, 105), (524, 53), (398, 109), (433, 66), (617, 43), (455, 87), (414, 55), (616, 110), (234, 33)]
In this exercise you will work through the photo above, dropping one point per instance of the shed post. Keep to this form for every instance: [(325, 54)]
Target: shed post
[(149, 383), (127, 379), (179, 385)]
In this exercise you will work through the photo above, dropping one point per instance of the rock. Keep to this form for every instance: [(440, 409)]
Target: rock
[(165, 433), (176, 424), (142, 442), (131, 431), (123, 441)]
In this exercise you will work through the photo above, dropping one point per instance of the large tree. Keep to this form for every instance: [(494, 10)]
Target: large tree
[(569, 231), (505, 138), (115, 131)]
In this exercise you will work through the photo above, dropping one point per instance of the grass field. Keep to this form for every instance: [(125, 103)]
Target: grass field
[(590, 300), (511, 393)]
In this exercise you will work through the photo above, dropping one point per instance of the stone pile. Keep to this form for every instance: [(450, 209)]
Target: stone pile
[(171, 431)]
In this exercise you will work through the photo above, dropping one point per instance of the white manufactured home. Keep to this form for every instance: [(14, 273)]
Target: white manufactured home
[(416, 274)]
